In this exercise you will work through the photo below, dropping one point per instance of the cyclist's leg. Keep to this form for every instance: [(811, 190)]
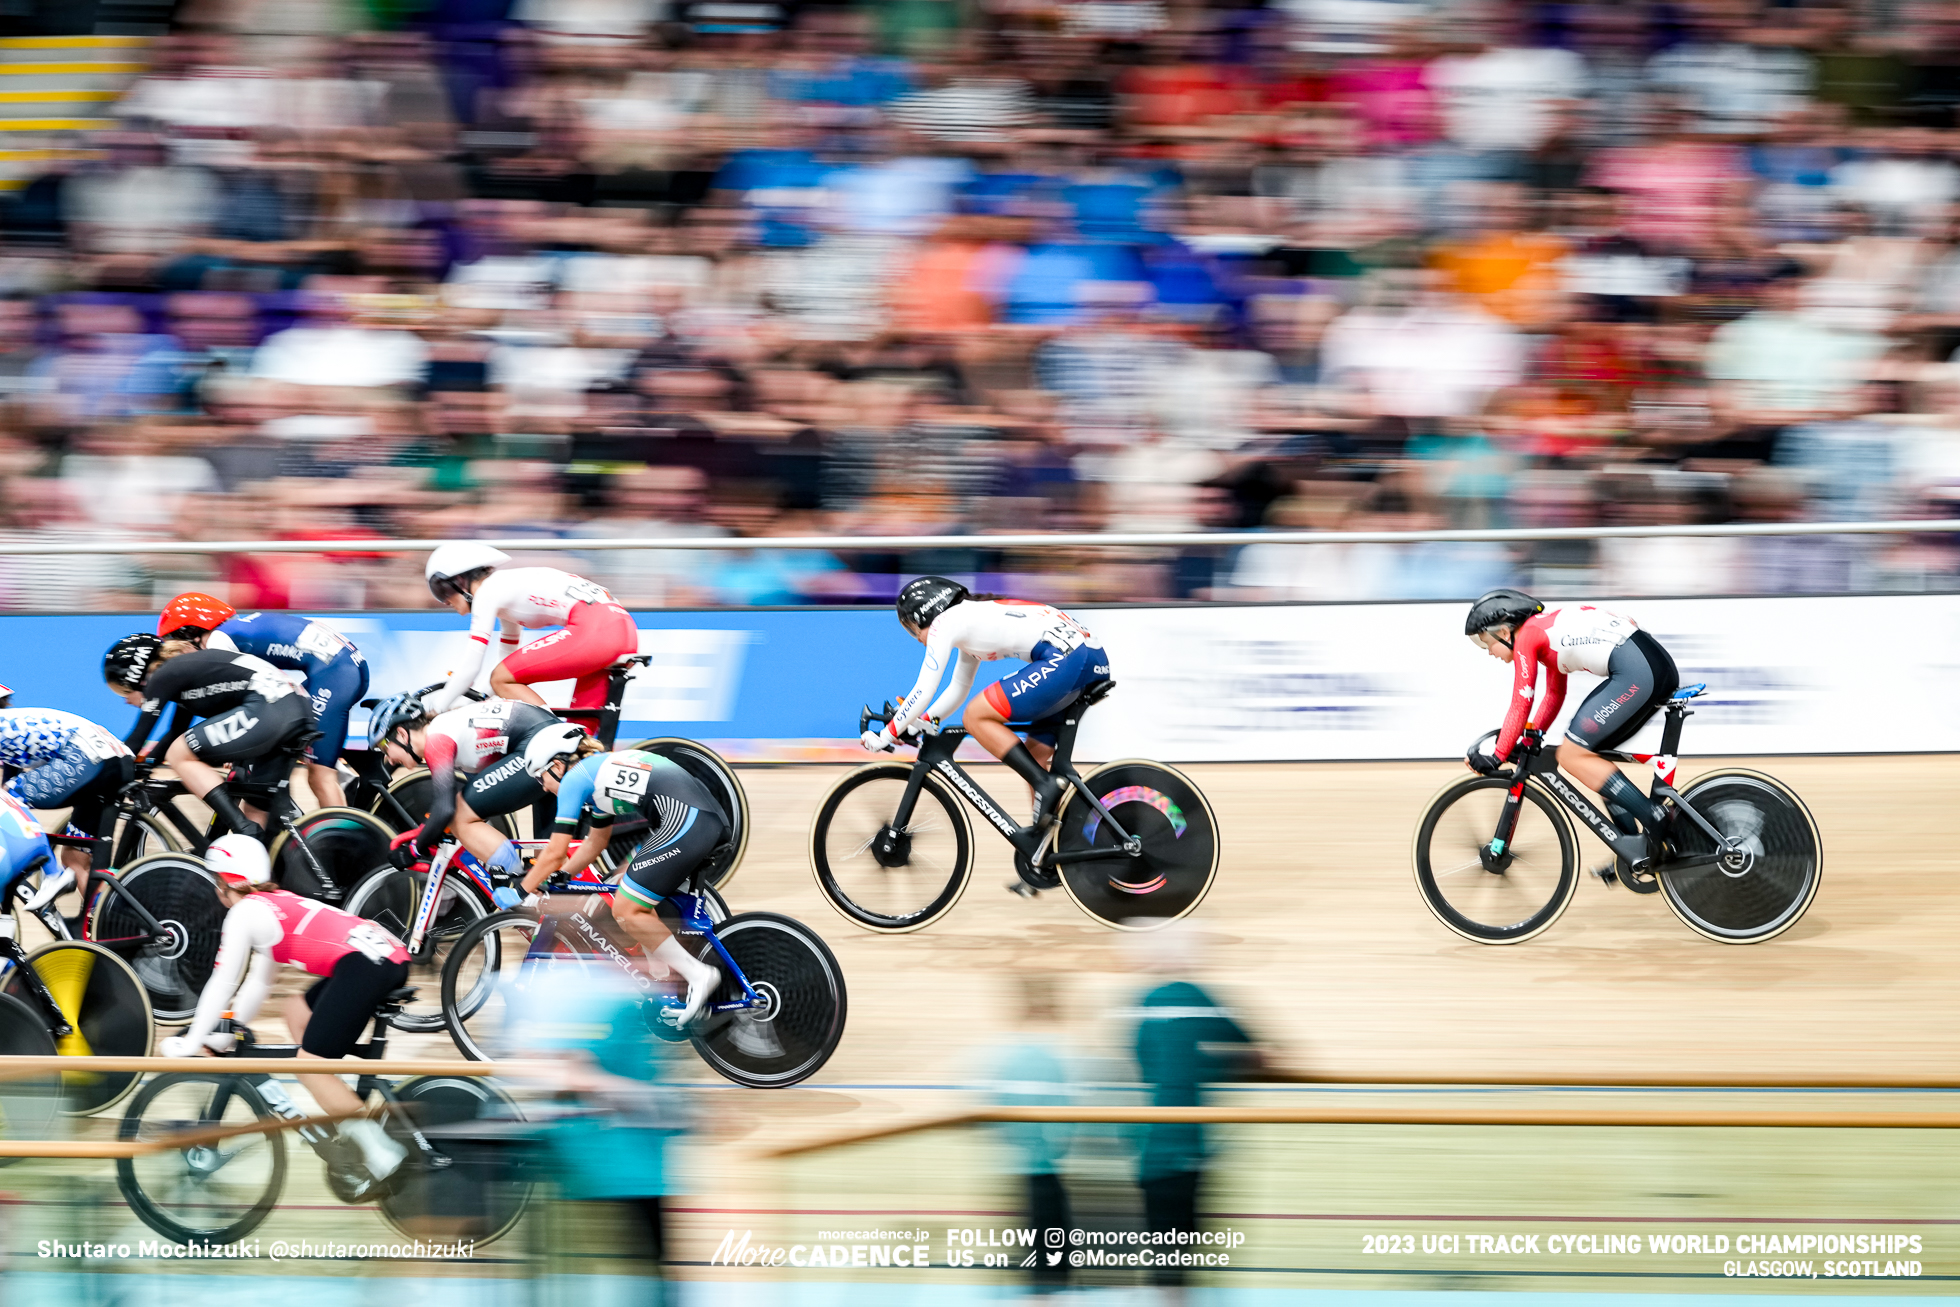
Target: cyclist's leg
[(62, 782), (594, 637), (254, 731), (494, 792), (1640, 678), (1033, 694), (657, 869), (334, 692), (328, 1020)]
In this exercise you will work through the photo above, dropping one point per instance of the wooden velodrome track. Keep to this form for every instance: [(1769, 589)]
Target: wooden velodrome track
[(1316, 935)]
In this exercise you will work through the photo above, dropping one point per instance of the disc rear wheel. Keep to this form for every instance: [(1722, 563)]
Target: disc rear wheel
[(1177, 845), (1766, 881), (180, 896)]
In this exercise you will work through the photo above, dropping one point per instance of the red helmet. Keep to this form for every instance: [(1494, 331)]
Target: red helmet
[(201, 611)]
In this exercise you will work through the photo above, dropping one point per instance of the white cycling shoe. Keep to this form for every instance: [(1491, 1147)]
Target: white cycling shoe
[(703, 980), (380, 1154)]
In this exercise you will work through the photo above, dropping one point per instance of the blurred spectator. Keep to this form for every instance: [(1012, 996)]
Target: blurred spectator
[(1033, 1071), (621, 268)]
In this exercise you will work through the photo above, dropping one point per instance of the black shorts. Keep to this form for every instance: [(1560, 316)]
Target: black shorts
[(503, 789), (255, 729), (663, 861), (1640, 679), (343, 1004)]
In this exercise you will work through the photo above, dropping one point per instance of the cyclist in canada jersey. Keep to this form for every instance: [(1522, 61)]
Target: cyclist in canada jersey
[(59, 760), (685, 824), (249, 710), (336, 674), (358, 964), (1063, 661), (485, 739), (500, 603), (1639, 679)]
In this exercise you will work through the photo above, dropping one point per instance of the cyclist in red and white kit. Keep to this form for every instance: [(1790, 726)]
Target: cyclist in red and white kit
[(359, 964), (500, 602), (1640, 678), (1064, 660)]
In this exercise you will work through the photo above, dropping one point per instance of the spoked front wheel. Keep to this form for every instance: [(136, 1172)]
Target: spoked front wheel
[(1762, 887), (1505, 896), (1178, 854), (217, 1190), (886, 879), (801, 1021)]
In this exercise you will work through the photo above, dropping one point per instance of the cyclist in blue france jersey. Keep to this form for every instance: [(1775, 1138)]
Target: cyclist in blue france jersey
[(1063, 660), (336, 674), (58, 760), (685, 821)]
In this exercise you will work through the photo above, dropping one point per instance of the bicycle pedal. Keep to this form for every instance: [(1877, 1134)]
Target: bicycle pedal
[(1023, 889), (1607, 875)]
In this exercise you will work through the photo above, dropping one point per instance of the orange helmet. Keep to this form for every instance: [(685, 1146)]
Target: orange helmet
[(201, 611)]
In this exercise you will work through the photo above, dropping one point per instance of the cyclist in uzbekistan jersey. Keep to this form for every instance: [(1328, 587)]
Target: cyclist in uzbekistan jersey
[(58, 760), (1639, 675), (251, 712), (359, 964), (336, 674), (685, 824), (597, 632), (486, 740), (1064, 660)]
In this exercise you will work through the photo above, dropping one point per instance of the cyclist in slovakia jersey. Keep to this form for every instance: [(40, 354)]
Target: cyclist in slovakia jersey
[(501, 603), (58, 760), (358, 964), (684, 821), (1063, 660), (486, 740), (336, 674), (1639, 679), (250, 712)]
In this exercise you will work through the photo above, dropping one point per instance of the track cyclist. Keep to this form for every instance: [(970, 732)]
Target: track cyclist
[(358, 963), (471, 578), (685, 821), (1639, 675), (1063, 661), (59, 760), (485, 739), (251, 712), (336, 674)]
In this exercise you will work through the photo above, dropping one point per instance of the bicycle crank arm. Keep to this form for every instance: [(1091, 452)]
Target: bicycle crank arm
[(1132, 848)]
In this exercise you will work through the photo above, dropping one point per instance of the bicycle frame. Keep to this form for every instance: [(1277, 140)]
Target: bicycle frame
[(12, 957), (1541, 764), (373, 1049), (452, 857), (936, 755), (694, 917)]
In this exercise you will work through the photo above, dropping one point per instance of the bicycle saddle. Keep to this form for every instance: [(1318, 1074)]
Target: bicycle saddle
[(1096, 693), (406, 994)]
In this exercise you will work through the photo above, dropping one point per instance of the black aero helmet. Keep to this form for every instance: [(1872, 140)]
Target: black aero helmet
[(127, 663), (1503, 607), (926, 597)]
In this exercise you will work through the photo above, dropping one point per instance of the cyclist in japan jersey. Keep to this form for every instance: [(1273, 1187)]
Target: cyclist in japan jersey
[(58, 760), (1063, 660), (1639, 675), (336, 674), (501, 603), (251, 713), (359, 965), (685, 824), (486, 740)]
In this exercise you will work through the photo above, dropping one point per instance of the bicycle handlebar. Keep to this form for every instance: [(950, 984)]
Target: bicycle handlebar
[(883, 717)]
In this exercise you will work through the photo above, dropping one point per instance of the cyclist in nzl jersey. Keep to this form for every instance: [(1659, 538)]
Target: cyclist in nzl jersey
[(1063, 660), (1639, 675), (336, 674)]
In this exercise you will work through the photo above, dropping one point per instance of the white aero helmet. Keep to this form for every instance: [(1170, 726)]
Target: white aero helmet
[(459, 558), (551, 743), (238, 861)]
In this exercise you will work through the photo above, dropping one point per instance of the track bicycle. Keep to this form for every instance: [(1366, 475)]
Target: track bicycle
[(429, 905), (1738, 859), (776, 1019), (402, 797), (892, 847), (219, 1190)]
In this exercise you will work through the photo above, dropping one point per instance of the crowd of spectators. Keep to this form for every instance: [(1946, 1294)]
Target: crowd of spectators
[(626, 268)]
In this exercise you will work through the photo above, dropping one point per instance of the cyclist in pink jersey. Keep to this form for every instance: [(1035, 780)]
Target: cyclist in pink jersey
[(358, 963), (501, 602), (1639, 679), (966, 629)]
